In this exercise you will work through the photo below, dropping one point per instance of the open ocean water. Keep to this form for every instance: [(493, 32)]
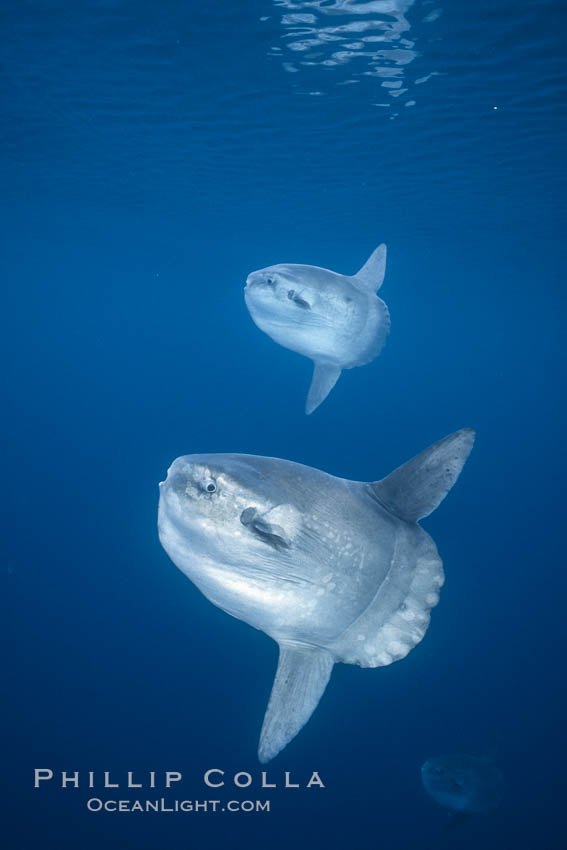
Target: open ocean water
[(152, 155)]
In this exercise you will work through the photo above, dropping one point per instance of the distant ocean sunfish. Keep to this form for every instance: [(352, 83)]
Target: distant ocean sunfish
[(462, 783), (336, 320), (333, 570)]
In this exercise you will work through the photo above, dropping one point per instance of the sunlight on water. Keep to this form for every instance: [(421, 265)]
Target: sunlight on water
[(356, 40), (134, 103)]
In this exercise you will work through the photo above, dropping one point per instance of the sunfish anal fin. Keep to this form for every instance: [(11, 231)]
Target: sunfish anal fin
[(302, 676), (415, 489), (456, 819), (324, 379)]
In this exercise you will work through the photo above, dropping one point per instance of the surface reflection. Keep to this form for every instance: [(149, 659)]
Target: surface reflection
[(355, 39)]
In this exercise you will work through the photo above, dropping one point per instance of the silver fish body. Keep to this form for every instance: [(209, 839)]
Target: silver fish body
[(463, 783), (335, 320), (333, 570)]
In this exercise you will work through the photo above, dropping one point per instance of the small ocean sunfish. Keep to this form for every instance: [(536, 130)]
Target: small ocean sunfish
[(336, 320), (462, 783)]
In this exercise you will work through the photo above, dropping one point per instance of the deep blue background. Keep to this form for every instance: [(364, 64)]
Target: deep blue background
[(153, 154)]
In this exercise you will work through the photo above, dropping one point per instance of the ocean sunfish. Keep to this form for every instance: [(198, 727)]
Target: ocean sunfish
[(463, 784), (336, 320), (331, 569)]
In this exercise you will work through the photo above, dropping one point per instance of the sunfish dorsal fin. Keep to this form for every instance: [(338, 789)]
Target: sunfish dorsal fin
[(415, 489), (301, 678), (371, 275), (325, 376)]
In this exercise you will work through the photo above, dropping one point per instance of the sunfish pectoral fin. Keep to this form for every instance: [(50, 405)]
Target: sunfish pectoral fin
[(325, 376), (371, 275), (278, 526), (301, 678), (273, 534), (415, 489)]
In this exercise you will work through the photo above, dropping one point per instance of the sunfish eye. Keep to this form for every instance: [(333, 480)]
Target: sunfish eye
[(291, 294), (209, 485), (270, 281)]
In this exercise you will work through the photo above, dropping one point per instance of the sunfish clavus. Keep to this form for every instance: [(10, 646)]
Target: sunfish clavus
[(336, 320), (333, 570)]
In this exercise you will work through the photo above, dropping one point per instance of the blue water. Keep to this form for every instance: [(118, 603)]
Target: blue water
[(153, 154)]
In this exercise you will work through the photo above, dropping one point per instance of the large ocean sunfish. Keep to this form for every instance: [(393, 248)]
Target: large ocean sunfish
[(336, 320), (333, 570)]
